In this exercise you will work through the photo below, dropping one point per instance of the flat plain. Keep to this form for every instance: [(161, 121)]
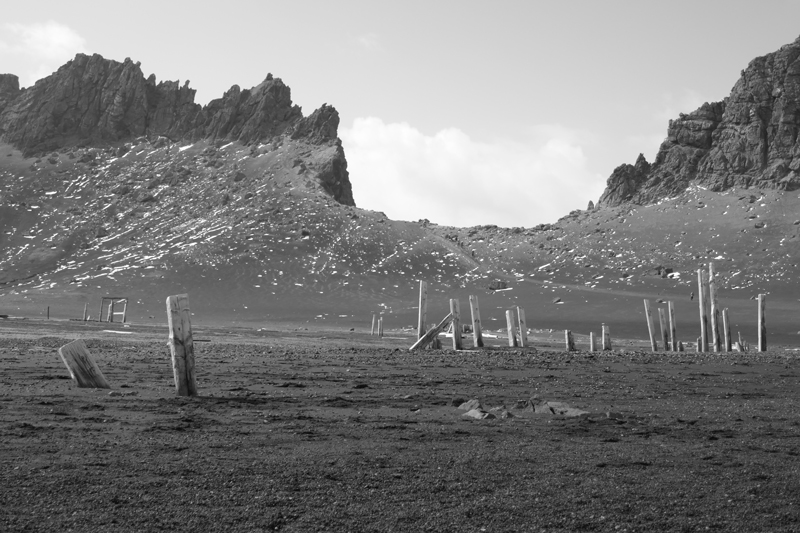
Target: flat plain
[(298, 430)]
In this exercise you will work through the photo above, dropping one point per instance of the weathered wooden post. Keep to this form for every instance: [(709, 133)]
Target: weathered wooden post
[(100, 313), (125, 310), (432, 333), (456, 312), (523, 327), (48, 312), (726, 330), (569, 340), (380, 327), (698, 347), (82, 368), (664, 333), (606, 337), (653, 344), (512, 334), (85, 312), (712, 297), (762, 324), (110, 317), (373, 324), (477, 334), (673, 336), (181, 344), (701, 299), (592, 347), (423, 308)]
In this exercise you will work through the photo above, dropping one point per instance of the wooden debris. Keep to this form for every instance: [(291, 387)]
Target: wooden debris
[(81, 366), (432, 333)]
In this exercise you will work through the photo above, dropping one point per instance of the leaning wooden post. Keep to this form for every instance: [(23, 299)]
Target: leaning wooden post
[(701, 299), (673, 336), (664, 333), (606, 338), (82, 368), (591, 341), (432, 333), (181, 345), (456, 312), (653, 344), (477, 334), (762, 325), (569, 340), (726, 330), (125, 311), (712, 297), (523, 327), (373, 324), (512, 333), (423, 308), (85, 312)]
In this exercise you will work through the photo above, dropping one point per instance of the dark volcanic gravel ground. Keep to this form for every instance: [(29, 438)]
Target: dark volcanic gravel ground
[(346, 434)]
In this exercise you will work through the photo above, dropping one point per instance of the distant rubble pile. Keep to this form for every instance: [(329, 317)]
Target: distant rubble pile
[(750, 139)]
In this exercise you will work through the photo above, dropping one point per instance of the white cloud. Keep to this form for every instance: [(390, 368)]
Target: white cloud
[(369, 42), (43, 46), (451, 179)]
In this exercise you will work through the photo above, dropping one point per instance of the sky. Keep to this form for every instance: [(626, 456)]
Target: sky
[(460, 112)]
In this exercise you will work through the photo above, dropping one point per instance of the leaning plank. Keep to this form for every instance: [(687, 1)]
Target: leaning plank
[(81, 366), (432, 333), (649, 318), (181, 345)]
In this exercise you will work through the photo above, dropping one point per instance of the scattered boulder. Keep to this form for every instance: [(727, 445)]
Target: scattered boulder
[(478, 414), (471, 404)]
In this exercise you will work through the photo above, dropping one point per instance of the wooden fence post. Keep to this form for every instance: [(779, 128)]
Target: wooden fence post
[(125, 311), (477, 334), (606, 338), (673, 336), (100, 314), (512, 334), (373, 324), (712, 297), (110, 317), (726, 330), (456, 312), (181, 344), (591, 341), (762, 323), (81, 366), (523, 327), (85, 312), (653, 344), (380, 327), (423, 308), (701, 299), (569, 340), (664, 333)]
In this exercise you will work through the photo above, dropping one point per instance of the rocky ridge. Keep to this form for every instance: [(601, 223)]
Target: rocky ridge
[(747, 140)]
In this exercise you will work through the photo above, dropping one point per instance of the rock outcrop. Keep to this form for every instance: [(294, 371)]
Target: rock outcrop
[(750, 139), (99, 102)]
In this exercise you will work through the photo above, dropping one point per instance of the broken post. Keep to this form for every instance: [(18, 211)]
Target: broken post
[(477, 334), (423, 308), (569, 340), (664, 333), (181, 345), (762, 326), (456, 312), (82, 368), (523, 327), (512, 329), (606, 337), (591, 341), (673, 336), (649, 318), (432, 333), (726, 330), (701, 299), (712, 297)]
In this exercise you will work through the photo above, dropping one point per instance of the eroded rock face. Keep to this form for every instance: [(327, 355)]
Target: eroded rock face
[(99, 102), (747, 140)]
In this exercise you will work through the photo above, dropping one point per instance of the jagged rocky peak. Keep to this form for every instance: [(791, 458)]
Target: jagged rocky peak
[(750, 139)]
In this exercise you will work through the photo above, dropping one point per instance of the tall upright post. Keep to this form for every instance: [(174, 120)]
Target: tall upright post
[(606, 338), (569, 340), (477, 335), (726, 330), (701, 300), (649, 317), (374, 320), (181, 345), (456, 312), (512, 333), (673, 336), (85, 312), (592, 347), (100, 313), (110, 317), (664, 333), (762, 323), (125, 311), (712, 297), (380, 327), (523, 327), (423, 308)]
